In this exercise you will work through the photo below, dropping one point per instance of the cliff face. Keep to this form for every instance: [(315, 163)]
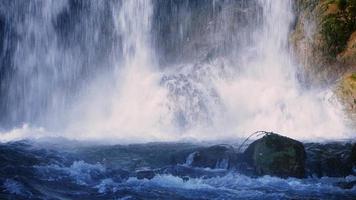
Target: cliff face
[(346, 92), (324, 44)]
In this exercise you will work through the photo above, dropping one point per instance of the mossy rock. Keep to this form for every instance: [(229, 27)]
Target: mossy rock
[(348, 56), (337, 19), (346, 93), (277, 155), (324, 39)]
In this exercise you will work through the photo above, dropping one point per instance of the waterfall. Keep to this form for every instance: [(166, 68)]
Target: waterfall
[(133, 105), (155, 70), (50, 51)]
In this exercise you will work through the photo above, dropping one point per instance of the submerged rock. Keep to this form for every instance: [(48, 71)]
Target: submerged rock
[(346, 185), (214, 157), (118, 175), (145, 173), (276, 155)]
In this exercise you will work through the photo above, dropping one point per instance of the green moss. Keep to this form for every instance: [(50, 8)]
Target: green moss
[(353, 76), (348, 85), (346, 93), (335, 33), (281, 160), (337, 28), (276, 155), (307, 4), (342, 4)]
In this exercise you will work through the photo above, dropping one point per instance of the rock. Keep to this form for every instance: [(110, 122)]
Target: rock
[(276, 155), (346, 185), (323, 40), (144, 173), (118, 175), (348, 56), (243, 166), (214, 157), (332, 159), (346, 93)]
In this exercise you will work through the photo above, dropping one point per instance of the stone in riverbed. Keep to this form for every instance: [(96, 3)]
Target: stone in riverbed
[(276, 155), (214, 157), (331, 159), (144, 173), (346, 185)]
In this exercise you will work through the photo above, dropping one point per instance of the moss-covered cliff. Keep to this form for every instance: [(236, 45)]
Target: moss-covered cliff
[(324, 43), (346, 91)]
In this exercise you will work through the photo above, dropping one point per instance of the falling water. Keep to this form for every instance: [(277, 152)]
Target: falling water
[(136, 99), (160, 70)]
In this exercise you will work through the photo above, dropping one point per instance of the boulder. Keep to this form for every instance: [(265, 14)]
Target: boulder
[(276, 155), (214, 157), (331, 159)]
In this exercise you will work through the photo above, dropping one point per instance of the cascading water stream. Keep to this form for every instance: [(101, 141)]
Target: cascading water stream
[(135, 99), (93, 71)]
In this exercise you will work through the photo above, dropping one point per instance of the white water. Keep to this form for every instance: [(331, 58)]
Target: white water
[(218, 99), (245, 186), (134, 104)]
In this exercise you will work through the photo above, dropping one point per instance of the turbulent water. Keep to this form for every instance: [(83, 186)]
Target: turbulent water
[(82, 171), (124, 71)]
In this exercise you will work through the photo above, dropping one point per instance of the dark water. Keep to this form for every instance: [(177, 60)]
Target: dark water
[(69, 170)]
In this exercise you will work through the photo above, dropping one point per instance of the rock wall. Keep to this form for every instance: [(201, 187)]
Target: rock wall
[(346, 92), (324, 45)]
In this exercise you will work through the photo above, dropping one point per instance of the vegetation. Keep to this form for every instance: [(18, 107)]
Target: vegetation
[(336, 27), (324, 40), (346, 92)]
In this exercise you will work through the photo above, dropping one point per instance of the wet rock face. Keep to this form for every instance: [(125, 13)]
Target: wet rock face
[(323, 39), (214, 157), (332, 160), (277, 156), (346, 93)]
